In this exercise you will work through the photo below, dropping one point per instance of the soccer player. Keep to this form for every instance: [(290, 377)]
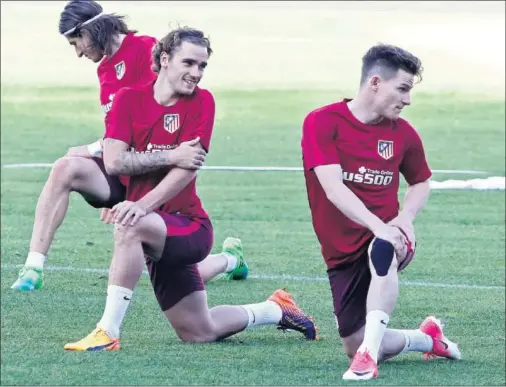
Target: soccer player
[(163, 223), (124, 60), (353, 151)]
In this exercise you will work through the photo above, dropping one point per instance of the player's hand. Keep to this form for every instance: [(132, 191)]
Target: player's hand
[(78, 151), (127, 213), (395, 237), (406, 225), (188, 155), (106, 215)]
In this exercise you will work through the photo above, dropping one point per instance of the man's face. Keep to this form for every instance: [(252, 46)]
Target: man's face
[(186, 67), (392, 95), (83, 46)]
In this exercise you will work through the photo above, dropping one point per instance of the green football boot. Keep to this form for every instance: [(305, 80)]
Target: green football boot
[(29, 279), (233, 246)]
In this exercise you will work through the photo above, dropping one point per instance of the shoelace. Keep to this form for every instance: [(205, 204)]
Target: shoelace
[(361, 361), (362, 358)]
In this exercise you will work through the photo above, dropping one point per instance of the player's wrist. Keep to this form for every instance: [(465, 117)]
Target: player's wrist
[(376, 225), (168, 157), (143, 205)]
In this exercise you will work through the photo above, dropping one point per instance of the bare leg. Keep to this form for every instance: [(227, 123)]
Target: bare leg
[(383, 290), (190, 316), (212, 265), (194, 322), (381, 297), (68, 174), (229, 262), (381, 300), (127, 265), (124, 274)]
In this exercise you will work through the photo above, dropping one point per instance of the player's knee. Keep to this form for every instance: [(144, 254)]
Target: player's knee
[(126, 234), (194, 338), (187, 335), (194, 330), (65, 170), (382, 257)]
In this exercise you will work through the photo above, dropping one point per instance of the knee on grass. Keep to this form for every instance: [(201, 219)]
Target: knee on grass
[(189, 335)]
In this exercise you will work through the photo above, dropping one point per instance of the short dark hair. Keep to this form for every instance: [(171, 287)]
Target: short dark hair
[(387, 60), (101, 31), (174, 40)]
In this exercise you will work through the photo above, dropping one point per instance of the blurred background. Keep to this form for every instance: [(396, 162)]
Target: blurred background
[(272, 44)]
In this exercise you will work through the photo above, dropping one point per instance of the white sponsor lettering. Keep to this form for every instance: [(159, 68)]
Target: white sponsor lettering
[(369, 176), (151, 148)]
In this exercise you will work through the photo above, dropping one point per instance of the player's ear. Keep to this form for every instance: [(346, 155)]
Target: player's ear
[(164, 59), (374, 82)]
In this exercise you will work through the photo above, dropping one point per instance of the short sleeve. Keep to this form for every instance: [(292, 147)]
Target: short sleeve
[(118, 124), (318, 141), (414, 166), (202, 122)]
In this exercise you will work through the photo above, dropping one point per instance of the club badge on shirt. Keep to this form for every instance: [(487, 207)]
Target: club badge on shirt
[(171, 122), (385, 149), (120, 69)]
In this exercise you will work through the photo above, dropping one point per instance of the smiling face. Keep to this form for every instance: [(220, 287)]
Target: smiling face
[(186, 67)]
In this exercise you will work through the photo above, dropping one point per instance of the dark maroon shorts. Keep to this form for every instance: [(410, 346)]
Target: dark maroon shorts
[(349, 284), (176, 275), (118, 190)]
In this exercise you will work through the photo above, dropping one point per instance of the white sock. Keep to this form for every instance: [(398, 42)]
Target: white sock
[(231, 262), (118, 299), (267, 312), (35, 260), (416, 341), (376, 323)]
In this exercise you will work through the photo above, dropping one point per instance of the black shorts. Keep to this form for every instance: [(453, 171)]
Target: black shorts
[(118, 190)]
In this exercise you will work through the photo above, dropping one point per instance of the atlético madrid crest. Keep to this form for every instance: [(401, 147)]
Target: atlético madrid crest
[(385, 149), (120, 69), (171, 122)]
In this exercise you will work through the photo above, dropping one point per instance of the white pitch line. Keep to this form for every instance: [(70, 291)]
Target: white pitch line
[(278, 278), (261, 169)]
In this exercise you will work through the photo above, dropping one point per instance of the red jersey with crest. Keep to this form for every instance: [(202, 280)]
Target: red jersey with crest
[(129, 66), (138, 120), (371, 157)]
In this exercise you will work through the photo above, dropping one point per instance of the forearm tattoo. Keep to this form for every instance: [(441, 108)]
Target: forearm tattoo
[(130, 163)]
